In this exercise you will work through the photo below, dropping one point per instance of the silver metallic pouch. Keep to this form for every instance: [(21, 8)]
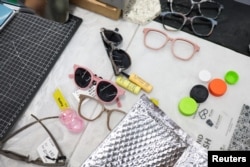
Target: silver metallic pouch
[(194, 156), (145, 137)]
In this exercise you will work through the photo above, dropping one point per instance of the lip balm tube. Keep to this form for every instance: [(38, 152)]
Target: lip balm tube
[(139, 81), (126, 84)]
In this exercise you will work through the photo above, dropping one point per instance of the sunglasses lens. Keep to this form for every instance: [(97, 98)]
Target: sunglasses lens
[(121, 59), (82, 77), (106, 91), (113, 36)]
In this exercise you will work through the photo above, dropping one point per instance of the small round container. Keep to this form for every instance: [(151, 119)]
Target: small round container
[(205, 76), (199, 93), (231, 77), (187, 106), (217, 87)]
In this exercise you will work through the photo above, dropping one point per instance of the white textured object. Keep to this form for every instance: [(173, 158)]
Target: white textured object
[(205, 75), (142, 11)]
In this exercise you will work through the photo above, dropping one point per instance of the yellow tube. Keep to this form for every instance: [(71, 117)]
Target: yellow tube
[(140, 82), (126, 84)]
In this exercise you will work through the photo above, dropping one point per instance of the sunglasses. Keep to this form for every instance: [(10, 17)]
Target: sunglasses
[(106, 91), (119, 59)]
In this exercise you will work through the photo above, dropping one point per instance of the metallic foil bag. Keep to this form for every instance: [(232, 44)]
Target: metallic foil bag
[(147, 137), (194, 156)]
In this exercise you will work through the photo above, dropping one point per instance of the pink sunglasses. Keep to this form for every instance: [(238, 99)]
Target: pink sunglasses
[(106, 91), (181, 48)]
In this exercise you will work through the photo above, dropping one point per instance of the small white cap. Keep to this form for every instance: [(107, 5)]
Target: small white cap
[(204, 75)]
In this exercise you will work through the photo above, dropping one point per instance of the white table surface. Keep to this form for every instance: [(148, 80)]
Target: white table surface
[(172, 79)]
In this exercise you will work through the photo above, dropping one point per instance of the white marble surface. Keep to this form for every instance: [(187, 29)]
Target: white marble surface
[(172, 79)]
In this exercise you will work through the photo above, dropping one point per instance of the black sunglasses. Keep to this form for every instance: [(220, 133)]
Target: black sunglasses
[(120, 60)]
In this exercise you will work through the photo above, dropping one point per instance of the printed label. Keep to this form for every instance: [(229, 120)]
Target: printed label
[(60, 100), (204, 141), (89, 92), (47, 151), (216, 122)]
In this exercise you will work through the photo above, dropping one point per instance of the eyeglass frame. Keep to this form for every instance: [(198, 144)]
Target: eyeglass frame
[(195, 46), (60, 161), (82, 97), (113, 46), (95, 78), (185, 19), (193, 3)]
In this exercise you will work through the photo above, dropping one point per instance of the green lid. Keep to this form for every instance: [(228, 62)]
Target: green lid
[(231, 77), (187, 106)]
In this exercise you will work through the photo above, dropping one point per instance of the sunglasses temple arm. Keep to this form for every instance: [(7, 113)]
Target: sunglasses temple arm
[(115, 69), (60, 159), (118, 102), (20, 157), (50, 134)]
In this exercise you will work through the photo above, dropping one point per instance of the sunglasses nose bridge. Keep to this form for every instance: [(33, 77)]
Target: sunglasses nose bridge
[(96, 80), (113, 46)]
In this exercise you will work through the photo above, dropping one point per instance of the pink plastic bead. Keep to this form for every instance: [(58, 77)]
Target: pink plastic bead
[(72, 121)]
